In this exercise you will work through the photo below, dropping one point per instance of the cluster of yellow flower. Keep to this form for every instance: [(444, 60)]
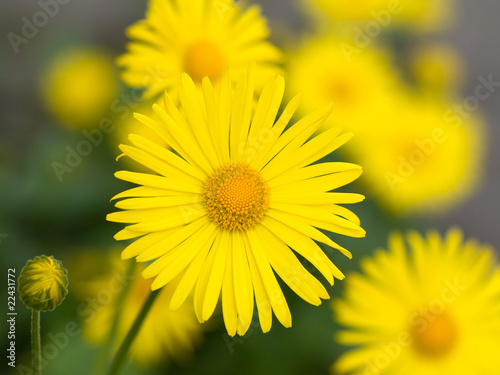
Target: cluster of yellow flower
[(421, 151), (232, 186)]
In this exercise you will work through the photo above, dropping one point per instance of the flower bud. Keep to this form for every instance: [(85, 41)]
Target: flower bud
[(43, 283)]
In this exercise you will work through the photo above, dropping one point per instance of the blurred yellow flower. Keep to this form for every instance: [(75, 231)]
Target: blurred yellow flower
[(43, 283), (79, 85), (327, 71), (431, 310), (437, 70), (239, 191), (375, 15), (164, 335), (198, 37), (417, 159), (130, 125)]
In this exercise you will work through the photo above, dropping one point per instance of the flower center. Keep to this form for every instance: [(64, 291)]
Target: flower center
[(236, 196), (341, 90), (437, 338), (204, 59)]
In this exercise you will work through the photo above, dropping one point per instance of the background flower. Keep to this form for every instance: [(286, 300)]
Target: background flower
[(422, 14), (439, 298), (45, 212), (416, 160), (165, 335), (326, 72), (198, 37), (78, 86)]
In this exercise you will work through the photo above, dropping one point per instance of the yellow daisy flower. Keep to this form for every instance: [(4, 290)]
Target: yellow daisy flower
[(79, 86), (130, 125), (379, 14), (164, 334), (432, 310), (330, 70), (437, 69), (239, 192), (198, 37), (420, 157)]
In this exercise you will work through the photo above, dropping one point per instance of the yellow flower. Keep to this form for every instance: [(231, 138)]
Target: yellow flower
[(239, 192), (79, 86), (420, 156), (326, 70), (432, 310), (164, 334), (43, 283), (437, 69), (130, 125), (381, 14), (198, 37)]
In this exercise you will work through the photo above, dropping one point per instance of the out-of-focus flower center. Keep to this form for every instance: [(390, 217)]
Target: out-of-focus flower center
[(437, 338), (204, 59), (341, 90), (236, 196)]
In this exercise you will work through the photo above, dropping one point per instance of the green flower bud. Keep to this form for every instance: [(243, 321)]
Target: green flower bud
[(43, 283)]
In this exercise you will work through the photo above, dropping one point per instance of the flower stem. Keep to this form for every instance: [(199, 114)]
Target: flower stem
[(121, 354), (102, 359), (36, 342)]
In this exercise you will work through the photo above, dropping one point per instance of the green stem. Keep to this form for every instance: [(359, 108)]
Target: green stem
[(104, 354), (36, 342), (121, 354)]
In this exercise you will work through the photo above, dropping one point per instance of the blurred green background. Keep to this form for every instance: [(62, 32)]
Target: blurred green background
[(41, 215)]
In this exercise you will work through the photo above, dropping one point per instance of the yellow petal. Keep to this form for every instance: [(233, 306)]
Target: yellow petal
[(243, 289), (214, 282), (229, 311), (175, 261), (261, 298), (274, 292), (291, 271)]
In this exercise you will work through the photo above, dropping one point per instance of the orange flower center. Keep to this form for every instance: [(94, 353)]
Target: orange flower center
[(341, 91), (204, 59), (236, 196), (437, 338)]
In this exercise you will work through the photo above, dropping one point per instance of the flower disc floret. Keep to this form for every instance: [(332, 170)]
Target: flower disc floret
[(236, 197)]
